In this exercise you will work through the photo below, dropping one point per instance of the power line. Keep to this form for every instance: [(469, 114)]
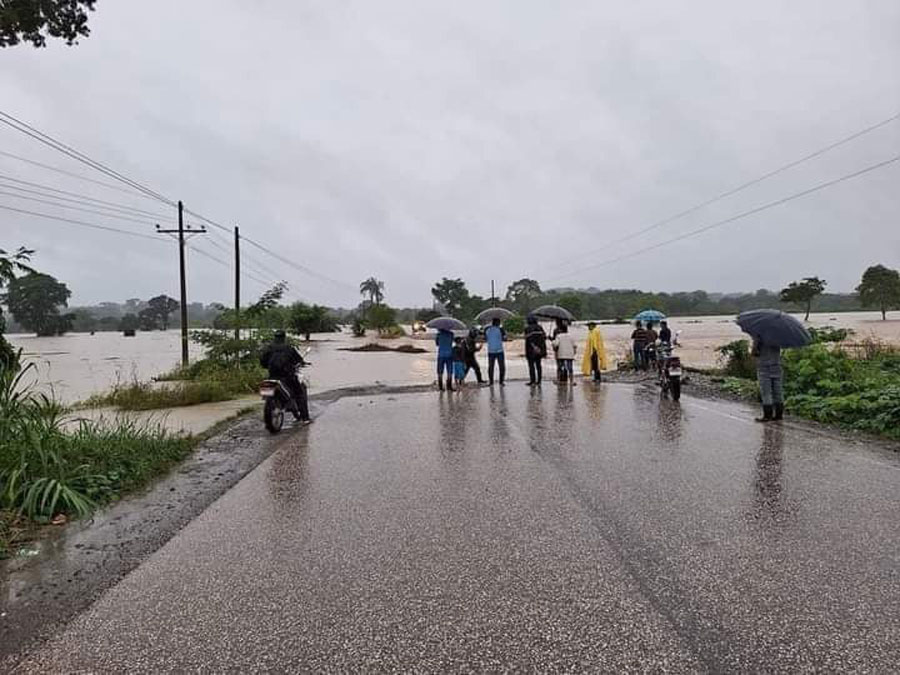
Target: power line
[(79, 223), (758, 209), (80, 196), (206, 254), (48, 140), (76, 208), (735, 190), (79, 176)]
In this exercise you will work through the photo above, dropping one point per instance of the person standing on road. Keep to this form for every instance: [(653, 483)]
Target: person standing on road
[(639, 342), (494, 336), (535, 350), (471, 349), (459, 362), (769, 374), (565, 355), (594, 360), (556, 331), (444, 342)]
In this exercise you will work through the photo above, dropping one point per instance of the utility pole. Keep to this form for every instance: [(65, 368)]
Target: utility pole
[(493, 298), (184, 320), (237, 283)]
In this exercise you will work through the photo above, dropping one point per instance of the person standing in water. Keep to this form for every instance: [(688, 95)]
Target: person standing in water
[(444, 342), (594, 360), (494, 336), (769, 374), (535, 350)]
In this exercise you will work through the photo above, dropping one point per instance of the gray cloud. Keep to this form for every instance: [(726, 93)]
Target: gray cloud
[(413, 140)]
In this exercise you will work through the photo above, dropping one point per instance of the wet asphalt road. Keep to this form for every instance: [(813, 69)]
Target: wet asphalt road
[(586, 529)]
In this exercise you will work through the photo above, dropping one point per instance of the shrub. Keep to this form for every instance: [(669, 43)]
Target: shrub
[(515, 325), (737, 359)]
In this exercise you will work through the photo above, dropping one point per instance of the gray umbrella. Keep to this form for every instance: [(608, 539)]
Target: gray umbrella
[(446, 323), (774, 327), (553, 312), (491, 313)]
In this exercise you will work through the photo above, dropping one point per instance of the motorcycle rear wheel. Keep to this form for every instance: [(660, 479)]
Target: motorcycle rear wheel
[(675, 386), (273, 415)]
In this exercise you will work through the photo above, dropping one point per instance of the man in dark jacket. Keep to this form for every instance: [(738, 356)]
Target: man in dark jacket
[(471, 347), (535, 350), (282, 361)]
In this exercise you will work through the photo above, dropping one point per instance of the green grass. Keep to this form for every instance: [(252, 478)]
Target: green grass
[(48, 468), (203, 382)]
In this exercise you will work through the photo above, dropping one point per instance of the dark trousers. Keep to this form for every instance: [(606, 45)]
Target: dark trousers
[(535, 370), (500, 359), (472, 364), (595, 367), (298, 393)]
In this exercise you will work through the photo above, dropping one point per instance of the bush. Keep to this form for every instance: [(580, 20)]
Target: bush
[(737, 359), (514, 326), (829, 334)]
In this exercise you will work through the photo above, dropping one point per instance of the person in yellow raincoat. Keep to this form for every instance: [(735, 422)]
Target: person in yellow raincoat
[(594, 359)]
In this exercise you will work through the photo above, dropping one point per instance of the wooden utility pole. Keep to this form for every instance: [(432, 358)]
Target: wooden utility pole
[(237, 283), (181, 265), (493, 298)]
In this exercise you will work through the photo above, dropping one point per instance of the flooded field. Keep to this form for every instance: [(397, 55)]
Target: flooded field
[(78, 365)]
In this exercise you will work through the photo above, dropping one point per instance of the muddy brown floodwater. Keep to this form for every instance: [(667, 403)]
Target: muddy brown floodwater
[(78, 365)]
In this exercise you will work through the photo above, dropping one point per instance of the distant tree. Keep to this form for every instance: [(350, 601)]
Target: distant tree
[(83, 320), (451, 293), (129, 322), (373, 288), (426, 315), (267, 300), (880, 287), (32, 20), (35, 300), (159, 309), (803, 292), (521, 294), (382, 318), (11, 263), (571, 302), (308, 319)]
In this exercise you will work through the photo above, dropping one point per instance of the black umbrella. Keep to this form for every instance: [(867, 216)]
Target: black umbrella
[(446, 323), (553, 312), (491, 313), (774, 327)]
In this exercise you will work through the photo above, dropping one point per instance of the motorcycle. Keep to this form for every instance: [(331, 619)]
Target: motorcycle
[(669, 370), (278, 399)]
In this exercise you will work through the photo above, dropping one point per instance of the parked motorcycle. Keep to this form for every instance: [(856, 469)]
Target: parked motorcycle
[(278, 399), (669, 369)]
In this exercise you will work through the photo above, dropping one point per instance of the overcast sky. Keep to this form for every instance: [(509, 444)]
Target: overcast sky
[(412, 140)]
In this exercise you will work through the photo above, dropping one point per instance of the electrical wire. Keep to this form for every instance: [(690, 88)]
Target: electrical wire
[(734, 190), (744, 214), (80, 223), (28, 130), (76, 208)]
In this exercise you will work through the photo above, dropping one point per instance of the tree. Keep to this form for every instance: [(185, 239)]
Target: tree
[(159, 309), (307, 319), (129, 322), (803, 292), (571, 302), (35, 299), (374, 289), (880, 287), (382, 318), (32, 20), (451, 293), (522, 293), (10, 264)]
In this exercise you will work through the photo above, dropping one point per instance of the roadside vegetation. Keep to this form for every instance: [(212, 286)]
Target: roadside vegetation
[(852, 385), (51, 470)]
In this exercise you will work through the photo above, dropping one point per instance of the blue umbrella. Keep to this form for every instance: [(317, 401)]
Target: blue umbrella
[(650, 315), (774, 327), (446, 323)]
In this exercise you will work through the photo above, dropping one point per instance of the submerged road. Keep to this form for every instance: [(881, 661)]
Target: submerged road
[(585, 529)]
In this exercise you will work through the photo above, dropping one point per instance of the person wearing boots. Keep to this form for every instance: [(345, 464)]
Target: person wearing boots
[(769, 374)]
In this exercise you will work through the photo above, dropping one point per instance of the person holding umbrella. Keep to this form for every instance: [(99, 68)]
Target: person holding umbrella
[(444, 342), (471, 348), (494, 335), (535, 350), (770, 375), (772, 330)]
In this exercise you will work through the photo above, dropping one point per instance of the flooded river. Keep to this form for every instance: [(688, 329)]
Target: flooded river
[(78, 365)]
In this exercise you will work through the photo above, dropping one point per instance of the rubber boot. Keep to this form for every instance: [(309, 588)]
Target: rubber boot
[(767, 414), (779, 412)]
